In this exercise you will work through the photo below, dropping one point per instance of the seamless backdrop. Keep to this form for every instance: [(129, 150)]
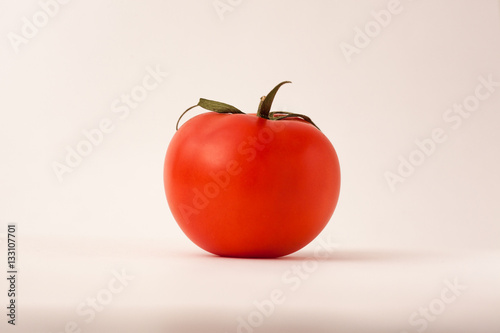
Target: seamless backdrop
[(90, 91)]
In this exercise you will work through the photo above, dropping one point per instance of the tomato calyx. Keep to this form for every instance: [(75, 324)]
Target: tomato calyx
[(264, 110), (209, 105)]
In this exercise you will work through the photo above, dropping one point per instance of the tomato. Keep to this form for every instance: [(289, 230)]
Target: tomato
[(251, 185)]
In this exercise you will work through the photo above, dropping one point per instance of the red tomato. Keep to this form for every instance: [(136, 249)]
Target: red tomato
[(241, 185)]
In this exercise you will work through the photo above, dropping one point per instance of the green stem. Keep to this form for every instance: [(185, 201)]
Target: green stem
[(267, 101), (264, 110), (260, 103), (209, 105)]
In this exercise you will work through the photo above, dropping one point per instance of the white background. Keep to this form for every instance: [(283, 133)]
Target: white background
[(394, 249)]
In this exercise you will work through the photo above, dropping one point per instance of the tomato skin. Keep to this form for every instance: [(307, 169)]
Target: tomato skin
[(242, 186)]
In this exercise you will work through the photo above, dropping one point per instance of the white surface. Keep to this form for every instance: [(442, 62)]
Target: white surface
[(175, 288), (395, 247)]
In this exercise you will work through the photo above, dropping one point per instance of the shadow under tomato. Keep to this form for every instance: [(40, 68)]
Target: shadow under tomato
[(344, 255)]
